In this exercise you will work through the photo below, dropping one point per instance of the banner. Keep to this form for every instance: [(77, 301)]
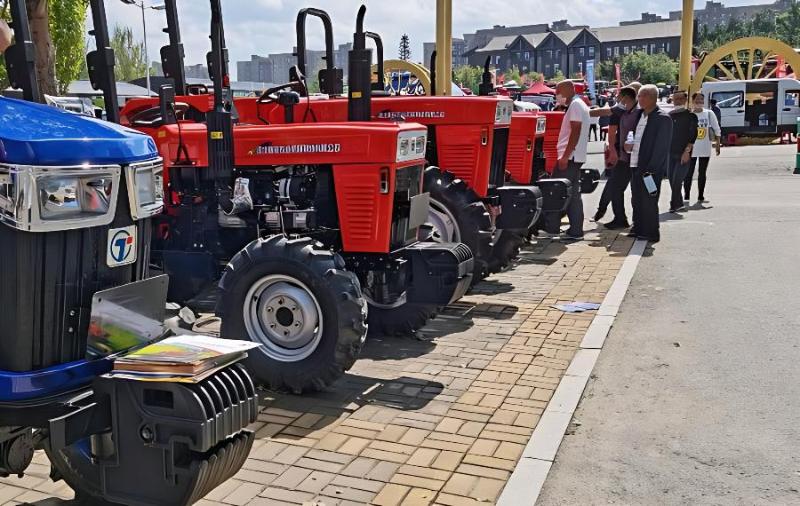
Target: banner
[(590, 78)]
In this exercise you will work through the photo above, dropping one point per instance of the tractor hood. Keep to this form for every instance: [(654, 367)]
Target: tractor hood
[(35, 134)]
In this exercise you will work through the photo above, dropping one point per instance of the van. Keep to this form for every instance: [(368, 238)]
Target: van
[(757, 106)]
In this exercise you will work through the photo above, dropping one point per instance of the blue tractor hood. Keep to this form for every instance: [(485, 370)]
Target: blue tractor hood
[(36, 134)]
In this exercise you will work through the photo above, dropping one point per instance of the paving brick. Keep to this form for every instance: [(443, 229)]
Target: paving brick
[(320, 465), (447, 460), (291, 478), (331, 442), (360, 467), (315, 482), (392, 447), (483, 471), (348, 494), (487, 489), (424, 472), (486, 447), (243, 494), (457, 500), (423, 457), (222, 491), (290, 455), (419, 497), (383, 471), (282, 496), (417, 481), (353, 446), (358, 483), (493, 462), (507, 450), (414, 436), (392, 433), (391, 495), (460, 484)]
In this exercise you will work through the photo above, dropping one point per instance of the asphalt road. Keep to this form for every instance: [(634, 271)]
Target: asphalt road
[(696, 396)]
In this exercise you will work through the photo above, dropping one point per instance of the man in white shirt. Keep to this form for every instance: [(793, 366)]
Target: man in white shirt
[(572, 143)]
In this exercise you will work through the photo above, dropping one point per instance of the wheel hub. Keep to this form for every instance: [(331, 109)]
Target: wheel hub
[(445, 226), (283, 315)]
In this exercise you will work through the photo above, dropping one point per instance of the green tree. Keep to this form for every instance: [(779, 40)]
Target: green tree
[(648, 68), (405, 47), (605, 70), (57, 28), (558, 76), (787, 26), (131, 62), (514, 75), (468, 77)]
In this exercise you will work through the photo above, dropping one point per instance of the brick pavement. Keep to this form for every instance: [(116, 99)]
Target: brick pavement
[(439, 418)]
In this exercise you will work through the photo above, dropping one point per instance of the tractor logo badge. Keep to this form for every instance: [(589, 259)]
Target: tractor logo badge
[(410, 115), (121, 248), (270, 149)]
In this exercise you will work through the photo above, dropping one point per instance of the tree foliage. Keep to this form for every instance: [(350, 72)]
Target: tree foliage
[(131, 62), (648, 68), (405, 47), (468, 76), (767, 23)]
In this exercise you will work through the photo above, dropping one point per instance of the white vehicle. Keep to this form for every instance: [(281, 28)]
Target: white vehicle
[(757, 106)]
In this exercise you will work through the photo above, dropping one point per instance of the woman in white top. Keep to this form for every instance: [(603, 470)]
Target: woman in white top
[(707, 127)]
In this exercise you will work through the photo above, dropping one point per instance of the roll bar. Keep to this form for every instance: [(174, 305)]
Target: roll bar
[(217, 59), (379, 86), (101, 61), (432, 91), (173, 54), (21, 56), (331, 79), (359, 104), (486, 87)]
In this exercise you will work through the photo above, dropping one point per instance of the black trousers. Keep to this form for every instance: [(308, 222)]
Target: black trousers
[(620, 178), (593, 129), (701, 177), (645, 206), (574, 206)]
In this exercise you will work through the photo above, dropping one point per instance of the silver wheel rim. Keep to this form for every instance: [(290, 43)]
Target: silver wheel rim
[(283, 315), (445, 226)]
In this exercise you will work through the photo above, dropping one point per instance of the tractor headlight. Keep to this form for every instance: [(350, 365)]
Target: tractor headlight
[(411, 145), (502, 115), (146, 189), (541, 125), (44, 199)]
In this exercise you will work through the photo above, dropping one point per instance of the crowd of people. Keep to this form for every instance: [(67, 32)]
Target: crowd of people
[(645, 145)]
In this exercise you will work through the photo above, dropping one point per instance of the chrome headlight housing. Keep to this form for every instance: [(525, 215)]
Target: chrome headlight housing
[(146, 188), (502, 114), (411, 145), (45, 199), (541, 125)]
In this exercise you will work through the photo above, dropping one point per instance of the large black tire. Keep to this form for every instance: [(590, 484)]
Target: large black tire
[(506, 249), (402, 320), (474, 222), (340, 308)]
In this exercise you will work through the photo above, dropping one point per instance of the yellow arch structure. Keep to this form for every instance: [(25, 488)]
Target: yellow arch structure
[(390, 66), (753, 50)]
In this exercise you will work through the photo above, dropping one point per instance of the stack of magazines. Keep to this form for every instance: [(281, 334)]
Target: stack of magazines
[(180, 359)]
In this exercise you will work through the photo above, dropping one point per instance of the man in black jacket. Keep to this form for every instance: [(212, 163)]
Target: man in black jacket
[(684, 135), (649, 159)]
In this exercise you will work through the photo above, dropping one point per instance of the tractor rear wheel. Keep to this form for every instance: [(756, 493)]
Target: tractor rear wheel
[(301, 305), (458, 215), (399, 320), (506, 248)]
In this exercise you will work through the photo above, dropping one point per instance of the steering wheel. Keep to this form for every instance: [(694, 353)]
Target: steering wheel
[(271, 94), (151, 117), (196, 89)]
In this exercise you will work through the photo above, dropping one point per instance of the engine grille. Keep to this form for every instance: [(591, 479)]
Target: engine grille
[(497, 174)]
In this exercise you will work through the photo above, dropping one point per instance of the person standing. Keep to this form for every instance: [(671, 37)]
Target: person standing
[(623, 122), (573, 139), (707, 127), (594, 124), (684, 135), (649, 162)]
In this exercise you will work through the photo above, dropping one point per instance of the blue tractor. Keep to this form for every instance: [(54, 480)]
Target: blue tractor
[(76, 199)]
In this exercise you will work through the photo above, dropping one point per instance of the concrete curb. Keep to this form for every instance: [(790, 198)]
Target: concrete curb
[(527, 480)]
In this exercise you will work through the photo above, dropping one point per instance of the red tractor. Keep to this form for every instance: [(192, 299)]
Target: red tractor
[(311, 223), (467, 138)]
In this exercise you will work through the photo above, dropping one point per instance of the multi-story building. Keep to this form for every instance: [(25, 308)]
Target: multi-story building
[(459, 48), (567, 51), (275, 67), (716, 13), (199, 71)]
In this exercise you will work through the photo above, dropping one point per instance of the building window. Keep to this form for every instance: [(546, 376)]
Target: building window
[(626, 50), (527, 55), (547, 69), (608, 52), (581, 52), (550, 53), (616, 50), (652, 48), (558, 54), (591, 51), (556, 67), (668, 47), (497, 60)]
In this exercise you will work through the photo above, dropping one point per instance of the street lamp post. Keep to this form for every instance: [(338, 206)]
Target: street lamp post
[(142, 6)]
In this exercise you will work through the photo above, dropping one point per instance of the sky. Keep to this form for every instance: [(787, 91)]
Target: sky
[(267, 26)]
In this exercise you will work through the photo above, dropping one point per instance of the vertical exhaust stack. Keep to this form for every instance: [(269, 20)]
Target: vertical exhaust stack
[(173, 54), (21, 57), (331, 79), (379, 85), (220, 119), (101, 61), (432, 91), (359, 105), (486, 87)]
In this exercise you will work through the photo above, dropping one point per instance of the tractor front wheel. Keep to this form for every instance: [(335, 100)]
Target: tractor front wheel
[(506, 248), (301, 305), (458, 215)]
